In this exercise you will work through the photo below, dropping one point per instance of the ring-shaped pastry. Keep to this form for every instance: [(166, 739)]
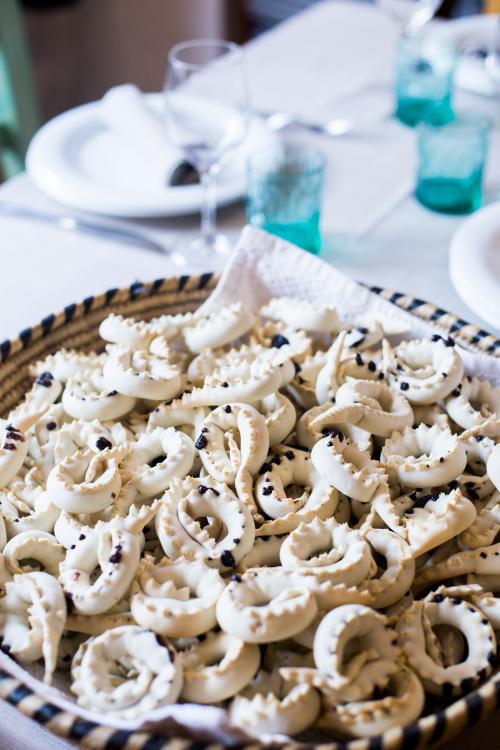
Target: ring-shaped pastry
[(20, 516), (244, 457), (149, 672), (268, 705), (355, 672), (218, 667), (320, 421), (384, 410), (67, 363), (475, 481), (482, 561), (86, 482), (292, 467), (330, 377), (323, 550), (172, 324), (85, 397), (44, 392), (265, 605), (156, 457), (375, 716), (71, 528), (263, 380), (365, 335), (399, 571), (348, 469), (426, 371), (424, 456), (218, 327), (173, 414), (131, 333), (280, 416), (141, 374), (39, 546), (40, 434), (117, 554), (474, 402), (180, 532), (425, 521), (483, 531), (238, 362), (56, 444), (291, 343), (13, 451), (438, 609), (175, 598), (32, 617), (306, 315)]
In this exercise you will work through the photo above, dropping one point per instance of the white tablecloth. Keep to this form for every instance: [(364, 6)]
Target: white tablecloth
[(404, 247)]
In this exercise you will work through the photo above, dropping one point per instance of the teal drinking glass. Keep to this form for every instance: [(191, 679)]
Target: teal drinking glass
[(285, 187), (424, 80), (451, 163)]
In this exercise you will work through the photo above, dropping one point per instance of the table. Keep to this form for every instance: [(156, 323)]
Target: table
[(403, 248)]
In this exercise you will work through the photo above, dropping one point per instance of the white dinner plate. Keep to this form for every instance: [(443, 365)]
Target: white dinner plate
[(75, 160), (475, 263), (469, 35)]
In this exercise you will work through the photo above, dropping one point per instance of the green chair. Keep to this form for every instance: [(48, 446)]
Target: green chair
[(19, 118)]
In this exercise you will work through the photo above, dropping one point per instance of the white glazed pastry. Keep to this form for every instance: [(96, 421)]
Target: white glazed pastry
[(286, 516)]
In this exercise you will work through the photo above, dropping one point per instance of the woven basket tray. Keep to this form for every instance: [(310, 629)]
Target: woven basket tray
[(77, 327)]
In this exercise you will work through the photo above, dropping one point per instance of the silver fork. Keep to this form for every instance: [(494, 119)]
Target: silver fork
[(97, 229)]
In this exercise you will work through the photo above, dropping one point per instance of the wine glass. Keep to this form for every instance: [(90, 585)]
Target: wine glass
[(207, 117), (411, 15)]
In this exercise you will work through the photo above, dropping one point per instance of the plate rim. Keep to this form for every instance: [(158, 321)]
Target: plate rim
[(41, 171), (459, 246)]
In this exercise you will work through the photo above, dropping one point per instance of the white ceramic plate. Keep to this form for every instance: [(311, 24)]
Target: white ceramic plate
[(469, 34), (75, 160), (475, 263)]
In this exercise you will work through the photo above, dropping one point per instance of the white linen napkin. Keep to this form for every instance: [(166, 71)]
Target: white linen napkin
[(260, 267), (264, 266), (125, 111)]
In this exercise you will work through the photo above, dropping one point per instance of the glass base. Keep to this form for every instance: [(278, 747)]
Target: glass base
[(450, 196), (412, 111), (205, 250)]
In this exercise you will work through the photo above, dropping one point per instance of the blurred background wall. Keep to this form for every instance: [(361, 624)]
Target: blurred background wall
[(82, 47)]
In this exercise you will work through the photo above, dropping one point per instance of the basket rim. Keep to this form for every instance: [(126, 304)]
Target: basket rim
[(467, 334), (428, 731)]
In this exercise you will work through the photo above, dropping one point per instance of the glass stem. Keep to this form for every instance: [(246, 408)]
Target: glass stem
[(209, 208)]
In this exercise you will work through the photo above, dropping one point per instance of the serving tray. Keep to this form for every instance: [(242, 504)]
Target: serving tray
[(77, 327)]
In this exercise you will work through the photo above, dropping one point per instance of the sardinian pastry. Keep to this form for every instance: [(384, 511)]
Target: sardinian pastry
[(278, 513)]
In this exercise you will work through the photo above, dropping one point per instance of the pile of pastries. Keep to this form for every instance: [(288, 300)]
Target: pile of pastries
[(287, 516)]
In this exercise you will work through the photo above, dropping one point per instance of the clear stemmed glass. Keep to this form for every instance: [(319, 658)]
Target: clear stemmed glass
[(207, 117), (411, 15)]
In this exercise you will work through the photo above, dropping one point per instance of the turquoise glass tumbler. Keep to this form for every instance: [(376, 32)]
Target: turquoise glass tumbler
[(285, 187), (451, 163), (424, 80)]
